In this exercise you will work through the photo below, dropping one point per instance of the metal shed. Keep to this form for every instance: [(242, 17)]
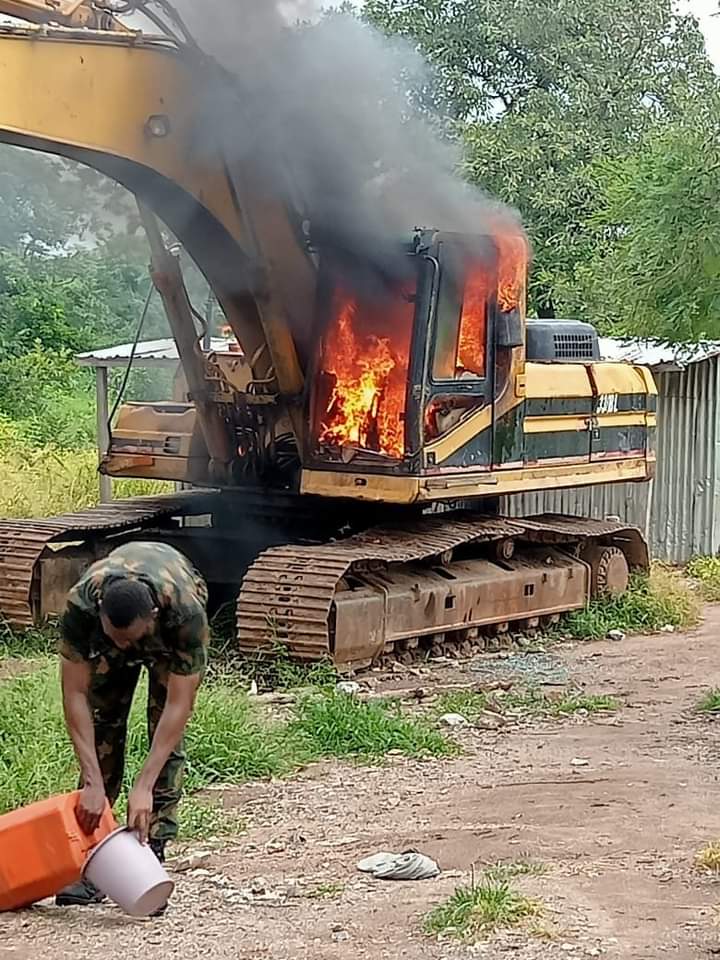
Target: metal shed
[(680, 510)]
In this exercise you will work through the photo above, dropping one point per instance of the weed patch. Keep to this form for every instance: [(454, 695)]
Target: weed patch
[(529, 701), (229, 739), (335, 725), (505, 871), (41, 482), (467, 703), (478, 910), (708, 859), (534, 702), (649, 604), (710, 702), (706, 570), (326, 891), (203, 819), (274, 671), (26, 644)]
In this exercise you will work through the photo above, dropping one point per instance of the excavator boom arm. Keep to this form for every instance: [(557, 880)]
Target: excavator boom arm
[(137, 112), (70, 13)]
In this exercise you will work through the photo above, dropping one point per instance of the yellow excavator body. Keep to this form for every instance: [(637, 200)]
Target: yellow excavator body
[(349, 460)]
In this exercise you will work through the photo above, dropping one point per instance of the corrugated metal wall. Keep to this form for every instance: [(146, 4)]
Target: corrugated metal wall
[(684, 516)]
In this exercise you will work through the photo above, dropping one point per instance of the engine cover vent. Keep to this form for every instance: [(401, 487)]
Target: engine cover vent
[(563, 341)]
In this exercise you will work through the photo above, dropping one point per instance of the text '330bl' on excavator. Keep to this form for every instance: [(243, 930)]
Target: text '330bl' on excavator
[(348, 462)]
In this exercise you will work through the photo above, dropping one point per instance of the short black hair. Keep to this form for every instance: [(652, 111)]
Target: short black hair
[(124, 601)]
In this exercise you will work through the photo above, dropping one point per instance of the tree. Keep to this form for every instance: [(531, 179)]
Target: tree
[(49, 204), (656, 269), (539, 91)]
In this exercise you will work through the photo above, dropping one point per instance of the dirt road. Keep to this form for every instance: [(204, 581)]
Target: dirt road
[(617, 830)]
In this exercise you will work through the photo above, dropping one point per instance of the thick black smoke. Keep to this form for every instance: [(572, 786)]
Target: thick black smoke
[(317, 113)]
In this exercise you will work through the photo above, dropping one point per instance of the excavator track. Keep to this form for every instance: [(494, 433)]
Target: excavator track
[(24, 542), (353, 600)]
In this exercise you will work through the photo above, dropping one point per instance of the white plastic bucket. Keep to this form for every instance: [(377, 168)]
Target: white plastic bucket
[(129, 873)]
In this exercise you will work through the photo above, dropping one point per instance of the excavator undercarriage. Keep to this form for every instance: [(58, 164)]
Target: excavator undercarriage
[(433, 582)]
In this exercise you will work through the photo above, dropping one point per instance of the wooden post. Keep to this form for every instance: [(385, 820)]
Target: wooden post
[(103, 430)]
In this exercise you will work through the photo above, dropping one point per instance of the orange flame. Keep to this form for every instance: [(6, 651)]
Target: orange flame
[(512, 271), (473, 322), (367, 350)]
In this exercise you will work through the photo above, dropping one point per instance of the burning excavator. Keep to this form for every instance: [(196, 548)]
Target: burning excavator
[(348, 465)]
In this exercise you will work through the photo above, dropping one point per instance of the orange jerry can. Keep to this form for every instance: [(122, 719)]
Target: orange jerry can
[(43, 849)]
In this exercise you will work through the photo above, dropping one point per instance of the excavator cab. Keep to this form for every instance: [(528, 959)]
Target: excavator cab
[(405, 357)]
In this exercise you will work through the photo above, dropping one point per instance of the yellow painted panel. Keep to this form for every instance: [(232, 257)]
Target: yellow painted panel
[(360, 486), (619, 378), (97, 93), (557, 380)]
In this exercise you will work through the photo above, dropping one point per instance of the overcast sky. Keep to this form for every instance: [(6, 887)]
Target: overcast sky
[(703, 9)]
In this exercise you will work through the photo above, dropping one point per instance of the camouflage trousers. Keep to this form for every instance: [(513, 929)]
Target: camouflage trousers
[(111, 694)]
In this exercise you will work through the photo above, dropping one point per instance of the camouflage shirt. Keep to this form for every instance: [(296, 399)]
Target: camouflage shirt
[(180, 638)]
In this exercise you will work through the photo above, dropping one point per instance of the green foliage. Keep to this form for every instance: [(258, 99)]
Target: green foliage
[(534, 702), (337, 725), (656, 268), (528, 701), (206, 819), (476, 911), (46, 481), (539, 92), (707, 571), (510, 870), (47, 203), (229, 739), (649, 604), (710, 702), (274, 671)]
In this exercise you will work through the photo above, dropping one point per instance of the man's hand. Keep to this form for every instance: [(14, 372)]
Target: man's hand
[(90, 807), (140, 805)]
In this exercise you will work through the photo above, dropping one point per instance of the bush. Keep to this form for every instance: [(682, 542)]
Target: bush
[(45, 481), (650, 603), (707, 571)]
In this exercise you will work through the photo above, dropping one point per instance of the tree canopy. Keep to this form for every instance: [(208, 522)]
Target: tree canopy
[(540, 93)]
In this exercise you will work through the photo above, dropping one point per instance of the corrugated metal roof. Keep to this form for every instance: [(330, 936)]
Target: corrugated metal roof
[(152, 351), (657, 353)]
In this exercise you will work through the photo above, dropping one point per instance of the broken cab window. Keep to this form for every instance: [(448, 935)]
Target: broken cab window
[(461, 333), (364, 369)]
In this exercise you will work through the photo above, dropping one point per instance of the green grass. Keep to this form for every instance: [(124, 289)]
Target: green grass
[(710, 702), (478, 910), (706, 570), (202, 819), (230, 739), (505, 871), (535, 702), (26, 645), (467, 703), (528, 700), (326, 891), (42, 482), (335, 725), (649, 604), (270, 672)]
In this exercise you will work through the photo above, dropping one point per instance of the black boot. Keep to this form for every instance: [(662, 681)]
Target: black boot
[(158, 848), (80, 894)]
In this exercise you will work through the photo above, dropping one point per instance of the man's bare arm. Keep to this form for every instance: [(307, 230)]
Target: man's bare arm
[(75, 686), (170, 729)]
